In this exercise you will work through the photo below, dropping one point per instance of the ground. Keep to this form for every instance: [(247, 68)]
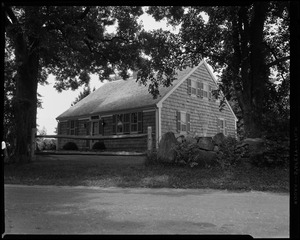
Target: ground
[(93, 210)]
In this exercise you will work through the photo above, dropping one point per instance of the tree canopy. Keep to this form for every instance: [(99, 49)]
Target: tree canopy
[(248, 45)]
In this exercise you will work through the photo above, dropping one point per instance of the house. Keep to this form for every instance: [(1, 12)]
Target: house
[(122, 107)]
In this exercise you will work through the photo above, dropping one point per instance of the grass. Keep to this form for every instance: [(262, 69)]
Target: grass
[(91, 173)]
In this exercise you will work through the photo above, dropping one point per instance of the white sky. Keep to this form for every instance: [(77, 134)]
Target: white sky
[(55, 103)]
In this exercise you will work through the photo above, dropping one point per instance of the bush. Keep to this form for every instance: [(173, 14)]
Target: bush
[(275, 155), (99, 146), (70, 146), (152, 159), (187, 153), (228, 157), (46, 144)]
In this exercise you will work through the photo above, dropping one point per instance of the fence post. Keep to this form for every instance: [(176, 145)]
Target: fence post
[(32, 149), (149, 140)]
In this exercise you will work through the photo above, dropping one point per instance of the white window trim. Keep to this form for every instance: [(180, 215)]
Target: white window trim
[(222, 130), (183, 113)]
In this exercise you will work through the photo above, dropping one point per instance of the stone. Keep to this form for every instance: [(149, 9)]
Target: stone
[(166, 152), (190, 139), (180, 139), (218, 139), (216, 148), (255, 145), (206, 158), (205, 143)]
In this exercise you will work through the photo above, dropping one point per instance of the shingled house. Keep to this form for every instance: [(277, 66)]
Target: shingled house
[(188, 107)]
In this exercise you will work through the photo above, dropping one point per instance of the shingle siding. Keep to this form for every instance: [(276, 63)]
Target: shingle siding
[(128, 144), (202, 110)]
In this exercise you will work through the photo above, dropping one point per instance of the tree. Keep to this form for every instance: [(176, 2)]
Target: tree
[(246, 44), (86, 91), (68, 42)]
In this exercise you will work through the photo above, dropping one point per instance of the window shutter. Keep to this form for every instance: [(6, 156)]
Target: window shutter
[(140, 122), (76, 127), (87, 128), (68, 127), (218, 125), (209, 92), (189, 88), (188, 123), (225, 127), (114, 124), (178, 122)]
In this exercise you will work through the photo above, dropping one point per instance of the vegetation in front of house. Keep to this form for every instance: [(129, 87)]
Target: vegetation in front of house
[(63, 170), (70, 146)]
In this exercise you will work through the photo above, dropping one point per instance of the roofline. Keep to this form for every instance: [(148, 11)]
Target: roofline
[(178, 84), (214, 79), (147, 107)]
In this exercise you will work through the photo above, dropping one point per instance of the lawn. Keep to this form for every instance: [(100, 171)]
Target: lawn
[(130, 172)]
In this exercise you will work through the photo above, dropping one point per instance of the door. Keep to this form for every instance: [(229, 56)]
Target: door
[(95, 131)]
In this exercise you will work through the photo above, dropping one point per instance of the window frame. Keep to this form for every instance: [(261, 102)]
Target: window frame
[(183, 126), (128, 125)]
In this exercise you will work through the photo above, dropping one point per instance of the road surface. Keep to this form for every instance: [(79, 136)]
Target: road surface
[(92, 210)]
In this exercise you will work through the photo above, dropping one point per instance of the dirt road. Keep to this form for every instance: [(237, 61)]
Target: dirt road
[(91, 210)]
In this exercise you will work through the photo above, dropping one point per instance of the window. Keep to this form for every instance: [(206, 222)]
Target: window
[(127, 123), (72, 127), (134, 122), (222, 126), (194, 87), (199, 89), (183, 121)]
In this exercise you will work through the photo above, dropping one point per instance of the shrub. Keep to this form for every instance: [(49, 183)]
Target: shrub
[(275, 155), (152, 159), (187, 153), (70, 146), (99, 146), (228, 157), (46, 144)]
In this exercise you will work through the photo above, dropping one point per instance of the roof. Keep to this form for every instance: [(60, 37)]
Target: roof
[(118, 96)]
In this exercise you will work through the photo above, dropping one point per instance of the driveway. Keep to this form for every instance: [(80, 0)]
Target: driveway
[(92, 210)]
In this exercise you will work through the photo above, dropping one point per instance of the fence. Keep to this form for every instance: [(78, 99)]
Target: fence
[(89, 137)]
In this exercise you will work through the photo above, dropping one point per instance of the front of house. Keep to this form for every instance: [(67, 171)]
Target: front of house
[(124, 107)]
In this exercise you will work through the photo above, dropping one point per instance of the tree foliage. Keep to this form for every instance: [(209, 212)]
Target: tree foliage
[(248, 45), (85, 92), (72, 42)]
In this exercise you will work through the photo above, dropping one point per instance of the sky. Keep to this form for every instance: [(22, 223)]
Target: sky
[(55, 103)]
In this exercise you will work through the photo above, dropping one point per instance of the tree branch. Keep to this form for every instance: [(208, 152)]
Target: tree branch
[(11, 14), (85, 12), (278, 60)]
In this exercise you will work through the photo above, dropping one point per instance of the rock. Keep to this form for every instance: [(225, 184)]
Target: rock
[(190, 139), (207, 158), (180, 139), (218, 139), (255, 145), (206, 143), (216, 148), (165, 152)]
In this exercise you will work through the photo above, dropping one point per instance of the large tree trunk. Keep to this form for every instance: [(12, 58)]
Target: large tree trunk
[(254, 72), (25, 102), (25, 108)]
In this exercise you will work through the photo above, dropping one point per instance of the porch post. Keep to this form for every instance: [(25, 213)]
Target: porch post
[(149, 140)]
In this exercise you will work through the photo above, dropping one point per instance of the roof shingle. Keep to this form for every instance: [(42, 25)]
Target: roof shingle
[(118, 96)]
